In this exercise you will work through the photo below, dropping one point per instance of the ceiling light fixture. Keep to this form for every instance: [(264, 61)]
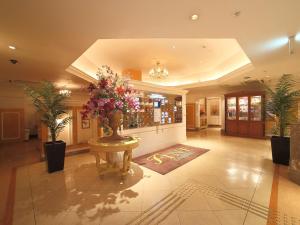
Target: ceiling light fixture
[(12, 47), (65, 92), (158, 71), (291, 45), (194, 17), (297, 37)]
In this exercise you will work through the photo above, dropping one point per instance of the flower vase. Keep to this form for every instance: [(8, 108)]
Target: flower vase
[(114, 123)]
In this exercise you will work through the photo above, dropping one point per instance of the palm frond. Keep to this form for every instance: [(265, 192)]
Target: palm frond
[(281, 101), (50, 104)]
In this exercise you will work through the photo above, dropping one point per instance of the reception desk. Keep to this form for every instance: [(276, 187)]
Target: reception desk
[(158, 137), (168, 128)]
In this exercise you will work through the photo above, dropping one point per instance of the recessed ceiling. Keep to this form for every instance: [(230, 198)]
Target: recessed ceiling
[(50, 36), (187, 60)]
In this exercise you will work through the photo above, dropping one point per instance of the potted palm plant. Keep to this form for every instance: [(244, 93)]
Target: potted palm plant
[(49, 103), (280, 105)]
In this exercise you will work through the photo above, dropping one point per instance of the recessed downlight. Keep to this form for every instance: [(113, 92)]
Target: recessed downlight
[(12, 47), (194, 17)]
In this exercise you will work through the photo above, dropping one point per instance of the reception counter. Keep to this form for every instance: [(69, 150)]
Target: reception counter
[(158, 137)]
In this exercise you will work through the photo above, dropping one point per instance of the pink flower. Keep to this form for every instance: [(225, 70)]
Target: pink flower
[(109, 94), (119, 105)]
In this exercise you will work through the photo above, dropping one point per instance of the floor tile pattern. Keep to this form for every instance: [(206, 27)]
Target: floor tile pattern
[(229, 185)]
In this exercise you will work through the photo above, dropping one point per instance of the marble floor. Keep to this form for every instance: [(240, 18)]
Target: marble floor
[(14, 155), (230, 185)]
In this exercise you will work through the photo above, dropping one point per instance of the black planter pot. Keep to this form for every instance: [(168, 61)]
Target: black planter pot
[(280, 150), (55, 155)]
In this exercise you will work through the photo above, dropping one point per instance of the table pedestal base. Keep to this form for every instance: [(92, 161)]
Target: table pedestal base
[(110, 166)]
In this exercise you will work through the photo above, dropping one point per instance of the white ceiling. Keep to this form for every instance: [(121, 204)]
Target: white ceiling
[(187, 60), (50, 35)]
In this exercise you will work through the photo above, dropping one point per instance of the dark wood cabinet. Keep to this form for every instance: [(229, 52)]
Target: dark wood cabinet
[(191, 116), (245, 114)]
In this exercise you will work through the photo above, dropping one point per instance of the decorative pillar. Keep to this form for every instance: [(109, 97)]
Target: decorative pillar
[(294, 168)]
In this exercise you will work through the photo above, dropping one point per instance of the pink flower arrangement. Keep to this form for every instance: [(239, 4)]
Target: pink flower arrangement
[(111, 93)]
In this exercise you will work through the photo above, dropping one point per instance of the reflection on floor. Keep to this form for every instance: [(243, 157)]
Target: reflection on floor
[(229, 185)]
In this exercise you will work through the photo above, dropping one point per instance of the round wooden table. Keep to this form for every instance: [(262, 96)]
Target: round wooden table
[(108, 149)]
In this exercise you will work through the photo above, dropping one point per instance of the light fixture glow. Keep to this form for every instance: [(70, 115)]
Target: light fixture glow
[(158, 71), (12, 47), (158, 96), (65, 92), (194, 17), (297, 37), (275, 44)]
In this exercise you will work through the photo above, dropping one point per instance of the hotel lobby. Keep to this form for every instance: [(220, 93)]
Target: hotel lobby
[(150, 112)]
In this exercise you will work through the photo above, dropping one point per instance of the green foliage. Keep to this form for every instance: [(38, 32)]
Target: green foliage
[(281, 102), (50, 105)]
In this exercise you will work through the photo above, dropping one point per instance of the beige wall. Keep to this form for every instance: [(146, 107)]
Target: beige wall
[(214, 119), (12, 96)]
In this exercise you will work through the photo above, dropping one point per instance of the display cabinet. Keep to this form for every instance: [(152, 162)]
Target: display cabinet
[(244, 114)]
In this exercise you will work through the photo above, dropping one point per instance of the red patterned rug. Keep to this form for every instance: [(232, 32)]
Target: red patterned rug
[(166, 160)]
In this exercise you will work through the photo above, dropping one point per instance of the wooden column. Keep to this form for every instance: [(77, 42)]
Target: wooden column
[(74, 126)]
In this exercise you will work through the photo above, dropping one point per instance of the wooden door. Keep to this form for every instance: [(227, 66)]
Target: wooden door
[(11, 125), (191, 116)]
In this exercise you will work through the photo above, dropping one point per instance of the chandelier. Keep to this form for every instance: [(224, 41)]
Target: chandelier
[(158, 71)]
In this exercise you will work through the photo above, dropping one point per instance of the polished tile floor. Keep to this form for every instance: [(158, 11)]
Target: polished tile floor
[(14, 155), (229, 185)]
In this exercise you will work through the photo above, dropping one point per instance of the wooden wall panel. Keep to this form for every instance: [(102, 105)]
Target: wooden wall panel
[(11, 125), (231, 127), (191, 116), (257, 129), (243, 128)]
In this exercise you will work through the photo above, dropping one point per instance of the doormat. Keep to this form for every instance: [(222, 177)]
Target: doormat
[(166, 160)]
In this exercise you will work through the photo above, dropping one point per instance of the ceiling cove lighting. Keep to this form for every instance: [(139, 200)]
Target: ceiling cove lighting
[(158, 71), (12, 47)]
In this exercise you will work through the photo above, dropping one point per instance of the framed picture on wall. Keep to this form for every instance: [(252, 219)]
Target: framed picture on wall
[(85, 123), (214, 109)]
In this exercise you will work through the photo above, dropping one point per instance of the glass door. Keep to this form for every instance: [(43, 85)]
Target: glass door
[(256, 108), (243, 108), (231, 108)]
